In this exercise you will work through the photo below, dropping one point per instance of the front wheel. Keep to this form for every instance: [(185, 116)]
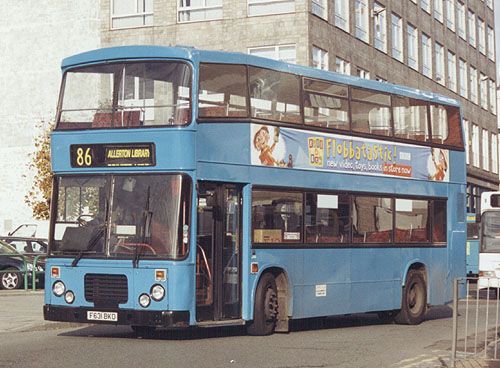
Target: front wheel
[(265, 308), (11, 279), (414, 300)]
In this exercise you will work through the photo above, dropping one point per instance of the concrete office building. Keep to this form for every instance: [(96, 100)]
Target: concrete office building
[(445, 46)]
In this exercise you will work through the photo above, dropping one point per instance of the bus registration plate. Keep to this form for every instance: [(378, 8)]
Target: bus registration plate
[(102, 316)]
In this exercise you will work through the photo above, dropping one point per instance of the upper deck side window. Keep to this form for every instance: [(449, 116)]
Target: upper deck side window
[(125, 95), (274, 95), (238, 91), (223, 91)]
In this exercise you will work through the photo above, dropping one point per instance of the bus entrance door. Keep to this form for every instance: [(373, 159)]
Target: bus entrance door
[(218, 252)]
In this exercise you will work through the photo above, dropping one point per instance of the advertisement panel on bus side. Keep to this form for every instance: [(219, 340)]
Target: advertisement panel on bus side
[(293, 148)]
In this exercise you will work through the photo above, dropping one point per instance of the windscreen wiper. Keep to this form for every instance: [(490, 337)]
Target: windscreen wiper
[(147, 218), (91, 246)]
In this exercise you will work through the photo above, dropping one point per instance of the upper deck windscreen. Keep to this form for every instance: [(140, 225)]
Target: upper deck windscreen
[(123, 95)]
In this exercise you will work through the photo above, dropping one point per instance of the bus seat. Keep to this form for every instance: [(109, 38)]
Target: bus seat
[(419, 235), (213, 112), (401, 236), (103, 119), (379, 236), (182, 116)]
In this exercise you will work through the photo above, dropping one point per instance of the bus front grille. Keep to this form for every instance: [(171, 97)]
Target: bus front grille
[(106, 290)]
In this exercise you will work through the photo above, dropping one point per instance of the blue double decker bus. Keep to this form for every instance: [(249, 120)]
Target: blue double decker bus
[(204, 188)]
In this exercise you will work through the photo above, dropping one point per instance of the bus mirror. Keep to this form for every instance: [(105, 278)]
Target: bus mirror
[(478, 218)]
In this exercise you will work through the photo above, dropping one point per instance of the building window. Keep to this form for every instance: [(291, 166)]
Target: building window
[(131, 13), (361, 13), (452, 71), (438, 10), (397, 37), (320, 8), (461, 19), (412, 34), (493, 97), (380, 27), (473, 85), (426, 56), (342, 66), (264, 7), (439, 57), (450, 14), (475, 145), (462, 66), (481, 37), (491, 44), (467, 141), (342, 14), (193, 11), (494, 153), (483, 92), (471, 20), (378, 78), (285, 53), (486, 150), (426, 5), (362, 73), (320, 58)]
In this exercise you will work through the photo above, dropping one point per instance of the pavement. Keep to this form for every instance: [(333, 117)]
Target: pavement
[(22, 311)]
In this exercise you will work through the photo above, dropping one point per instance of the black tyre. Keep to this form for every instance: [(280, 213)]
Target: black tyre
[(414, 300), (266, 307), (11, 279), (144, 331)]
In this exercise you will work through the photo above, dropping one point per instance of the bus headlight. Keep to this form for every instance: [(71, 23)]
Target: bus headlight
[(144, 300), (157, 292), (69, 297), (58, 288)]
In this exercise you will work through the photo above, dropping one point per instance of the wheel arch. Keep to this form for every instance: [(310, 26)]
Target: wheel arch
[(417, 265), (285, 299)]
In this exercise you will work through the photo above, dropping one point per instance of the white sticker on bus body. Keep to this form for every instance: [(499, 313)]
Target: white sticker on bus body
[(291, 236), (320, 290)]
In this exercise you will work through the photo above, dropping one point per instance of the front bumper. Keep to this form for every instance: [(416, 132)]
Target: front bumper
[(132, 317)]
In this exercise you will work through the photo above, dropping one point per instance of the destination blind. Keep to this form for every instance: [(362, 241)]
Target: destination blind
[(112, 155)]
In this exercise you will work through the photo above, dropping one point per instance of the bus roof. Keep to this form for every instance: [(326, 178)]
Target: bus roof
[(143, 52)]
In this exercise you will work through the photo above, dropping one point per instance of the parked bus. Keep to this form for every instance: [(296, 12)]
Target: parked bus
[(472, 248), (204, 188), (489, 254)]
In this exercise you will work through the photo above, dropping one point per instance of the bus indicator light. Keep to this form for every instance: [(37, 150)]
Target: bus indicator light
[(254, 267), (160, 275), (55, 272)]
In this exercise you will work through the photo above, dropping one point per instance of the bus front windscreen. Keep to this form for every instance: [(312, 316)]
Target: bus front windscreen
[(121, 216), (490, 225), (126, 95)]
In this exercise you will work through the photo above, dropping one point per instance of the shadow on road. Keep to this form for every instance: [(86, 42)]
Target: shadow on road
[(309, 324)]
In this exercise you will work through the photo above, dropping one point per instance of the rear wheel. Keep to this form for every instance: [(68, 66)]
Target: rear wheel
[(414, 301), (11, 279), (266, 307)]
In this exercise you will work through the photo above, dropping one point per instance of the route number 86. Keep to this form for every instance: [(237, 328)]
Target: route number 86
[(83, 157)]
